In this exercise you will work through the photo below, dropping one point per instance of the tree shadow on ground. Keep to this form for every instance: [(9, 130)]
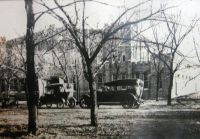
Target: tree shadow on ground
[(12, 131), (13, 134), (68, 126)]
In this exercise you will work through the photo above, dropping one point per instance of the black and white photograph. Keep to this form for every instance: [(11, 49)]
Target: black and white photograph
[(100, 69)]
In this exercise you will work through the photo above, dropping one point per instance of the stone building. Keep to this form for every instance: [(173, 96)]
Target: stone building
[(133, 62), (129, 60)]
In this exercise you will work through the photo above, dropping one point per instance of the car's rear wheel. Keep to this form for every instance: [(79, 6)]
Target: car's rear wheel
[(72, 102), (84, 103)]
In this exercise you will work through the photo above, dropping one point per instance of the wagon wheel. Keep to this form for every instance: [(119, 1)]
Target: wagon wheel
[(84, 103), (72, 102), (48, 105)]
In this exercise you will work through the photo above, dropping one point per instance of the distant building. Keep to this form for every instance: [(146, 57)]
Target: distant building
[(130, 60), (186, 81)]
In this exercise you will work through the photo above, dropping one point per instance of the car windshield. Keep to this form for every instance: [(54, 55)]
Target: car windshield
[(127, 82)]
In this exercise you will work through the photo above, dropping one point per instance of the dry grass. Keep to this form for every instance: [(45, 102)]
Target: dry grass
[(152, 120)]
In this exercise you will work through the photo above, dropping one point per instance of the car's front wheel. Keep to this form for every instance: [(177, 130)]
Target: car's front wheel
[(60, 105), (49, 105), (130, 102), (135, 105), (127, 105)]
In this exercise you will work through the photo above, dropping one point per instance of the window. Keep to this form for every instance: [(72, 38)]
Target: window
[(3, 86), (123, 58), (142, 76), (133, 75), (160, 85), (13, 84), (145, 76), (123, 76), (22, 84), (74, 82), (114, 77), (100, 78), (137, 75), (146, 82), (100, 81)]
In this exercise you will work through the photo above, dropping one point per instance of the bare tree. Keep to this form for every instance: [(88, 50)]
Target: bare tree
[(31, 41), (196, 46), (32, 99), (76, 70), (11, 65), (65, 61), (2, 59), (61, 52), (77, 25), (157, 63), (171, 57), (159, 67)]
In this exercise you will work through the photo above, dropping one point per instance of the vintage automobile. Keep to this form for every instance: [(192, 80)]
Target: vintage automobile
[(9, 100), (56, 94), (20, 96), (127, 93)]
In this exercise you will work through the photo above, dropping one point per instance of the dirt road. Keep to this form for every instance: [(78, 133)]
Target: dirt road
[(150, 121)]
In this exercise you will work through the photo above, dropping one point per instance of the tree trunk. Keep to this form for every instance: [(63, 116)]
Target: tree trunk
[(6, 88), (77, 87), (170, 89), (93, 95), (0, 85), (30, 74), (157, 85)]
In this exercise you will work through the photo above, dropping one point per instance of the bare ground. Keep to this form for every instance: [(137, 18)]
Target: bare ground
[(153, 120)]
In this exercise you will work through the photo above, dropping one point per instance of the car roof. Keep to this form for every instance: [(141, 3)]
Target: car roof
[(54, 85), (125, 82)]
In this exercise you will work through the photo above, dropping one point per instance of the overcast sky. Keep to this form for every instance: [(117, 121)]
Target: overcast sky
[(13, 18)]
